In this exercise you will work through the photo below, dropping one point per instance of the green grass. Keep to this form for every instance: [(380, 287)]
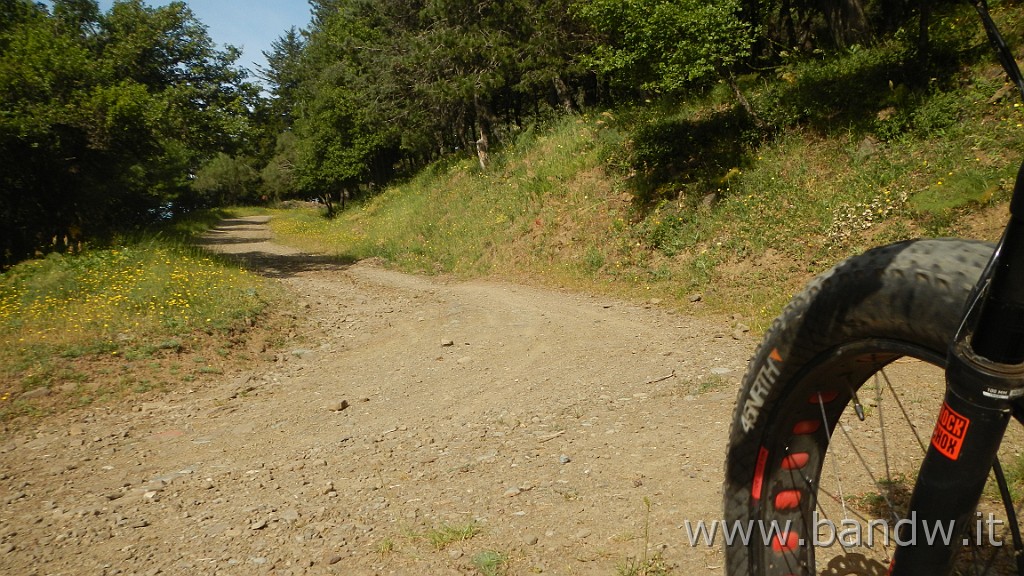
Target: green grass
[(386, 547), (490, 563), (457, 219), (63, 317), (645, 564), (447, 534)]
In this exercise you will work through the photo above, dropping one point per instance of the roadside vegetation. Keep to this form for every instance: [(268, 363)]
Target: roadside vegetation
[(669, 202), (142, 314)]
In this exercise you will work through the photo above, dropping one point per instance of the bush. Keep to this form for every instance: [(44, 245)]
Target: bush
[(679, 152)]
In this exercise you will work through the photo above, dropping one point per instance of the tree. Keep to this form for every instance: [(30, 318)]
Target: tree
[(170, 52), (77, 16), (283, 75), (104, 116), (468, 57), (43, 142), (806, 25), (226, 180), (667, 46), (551, 54), (278, 178), (389, 85), (348, 114)]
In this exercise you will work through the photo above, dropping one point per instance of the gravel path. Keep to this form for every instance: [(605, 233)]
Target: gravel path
[(538, 423)]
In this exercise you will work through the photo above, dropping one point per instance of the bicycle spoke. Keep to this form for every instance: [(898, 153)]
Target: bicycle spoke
[(885, 442), (835, 468), (863, 462), (906, 416)]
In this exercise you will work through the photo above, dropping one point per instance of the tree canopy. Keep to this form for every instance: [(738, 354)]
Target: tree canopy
[(667, 46), (106, 116)]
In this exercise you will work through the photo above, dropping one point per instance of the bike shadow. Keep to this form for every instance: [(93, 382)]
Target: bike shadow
[(854, 564), (280, 266)]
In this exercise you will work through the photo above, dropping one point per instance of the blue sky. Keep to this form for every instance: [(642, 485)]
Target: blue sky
[(251, 26)]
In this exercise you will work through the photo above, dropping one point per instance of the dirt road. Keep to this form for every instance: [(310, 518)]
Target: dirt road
[(534, 424)]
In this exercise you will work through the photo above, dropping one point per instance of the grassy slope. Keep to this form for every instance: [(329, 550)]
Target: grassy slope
[(561, 207)]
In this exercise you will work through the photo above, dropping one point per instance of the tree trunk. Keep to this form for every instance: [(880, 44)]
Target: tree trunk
[(565, 96), (742, 99), (923, 40), (482, 147), (328, 201), (787, 28), (483, 129), (846, 21)]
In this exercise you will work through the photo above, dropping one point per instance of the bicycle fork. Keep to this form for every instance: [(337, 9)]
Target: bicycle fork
[(984, 385)]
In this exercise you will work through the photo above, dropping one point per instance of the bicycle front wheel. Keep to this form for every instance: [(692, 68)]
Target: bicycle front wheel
[(836, 411)]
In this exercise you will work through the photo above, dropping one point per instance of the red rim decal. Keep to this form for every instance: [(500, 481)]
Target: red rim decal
[(786, 542), (762, 460), (806, 427), (795, 461), (823, 397), (788, 500)]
